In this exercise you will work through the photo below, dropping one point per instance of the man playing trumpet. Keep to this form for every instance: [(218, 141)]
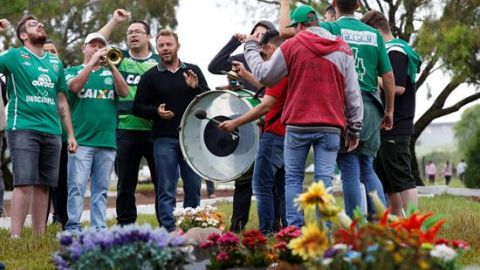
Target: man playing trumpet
[(94, 89)]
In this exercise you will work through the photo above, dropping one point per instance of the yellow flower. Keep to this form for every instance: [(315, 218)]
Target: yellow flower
[(315, 195), (329, 210), (311, 244), (424, 265)]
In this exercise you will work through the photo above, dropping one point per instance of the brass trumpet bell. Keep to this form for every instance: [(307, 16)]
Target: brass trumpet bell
[(114, 57)]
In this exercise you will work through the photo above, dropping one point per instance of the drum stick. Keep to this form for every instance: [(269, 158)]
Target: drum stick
[(202, 114)]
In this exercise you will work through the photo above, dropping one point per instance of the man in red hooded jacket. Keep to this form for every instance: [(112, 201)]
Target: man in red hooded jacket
[(323, 100)]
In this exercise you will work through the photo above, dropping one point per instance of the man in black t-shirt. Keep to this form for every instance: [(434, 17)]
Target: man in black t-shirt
[(393, 159)]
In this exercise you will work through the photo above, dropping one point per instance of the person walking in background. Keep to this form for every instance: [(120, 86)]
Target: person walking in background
[(447, 172), (461, 169), (431, 171)]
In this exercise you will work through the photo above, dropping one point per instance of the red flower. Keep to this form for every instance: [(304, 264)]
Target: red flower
[(253, 239), (222, 257), (228, 239), (288, 233), (461, 244), (207, 244), (442, 241), (213, 237)]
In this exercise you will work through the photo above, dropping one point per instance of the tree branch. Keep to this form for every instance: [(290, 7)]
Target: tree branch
[(426, 72)]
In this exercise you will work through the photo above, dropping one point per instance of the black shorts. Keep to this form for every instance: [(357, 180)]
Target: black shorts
[(35, 157), (392, 164)]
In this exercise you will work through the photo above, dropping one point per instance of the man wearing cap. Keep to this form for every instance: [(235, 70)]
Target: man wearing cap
[(323, 101), (224, 61), (36, 88), (94, 89), (133, 132), (303, 14)]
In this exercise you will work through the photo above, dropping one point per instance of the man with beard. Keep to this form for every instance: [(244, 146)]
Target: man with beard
[(36, 88), (133, 133), (163, 95)]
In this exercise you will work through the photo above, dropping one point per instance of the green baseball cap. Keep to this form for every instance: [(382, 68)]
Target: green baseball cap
[(301, 14)]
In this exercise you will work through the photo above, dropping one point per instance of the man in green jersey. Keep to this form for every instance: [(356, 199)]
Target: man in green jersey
[(93, 98), (393, 160), (36, 90), (133, 133), (371, 60)]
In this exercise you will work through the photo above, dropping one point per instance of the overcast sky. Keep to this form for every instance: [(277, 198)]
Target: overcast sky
[(205, 26)]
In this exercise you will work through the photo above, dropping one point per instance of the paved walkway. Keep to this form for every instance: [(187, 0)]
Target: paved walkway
[(426, 191)]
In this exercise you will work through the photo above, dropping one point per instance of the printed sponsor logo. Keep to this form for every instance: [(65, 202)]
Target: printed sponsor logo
[(39, 99), (360, 37), (106, 73), (133, 79), (26, 63), (97, 94), (24, 55), (43, 81), (43, 69)]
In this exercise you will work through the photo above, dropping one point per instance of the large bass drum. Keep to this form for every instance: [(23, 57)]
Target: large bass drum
[(211, 152)]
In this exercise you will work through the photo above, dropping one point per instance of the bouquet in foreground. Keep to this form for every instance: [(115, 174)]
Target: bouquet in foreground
[(128, 247)]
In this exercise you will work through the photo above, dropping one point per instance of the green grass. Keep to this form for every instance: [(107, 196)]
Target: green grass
[(462, 214)]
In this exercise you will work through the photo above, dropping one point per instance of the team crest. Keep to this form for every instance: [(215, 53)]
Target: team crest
[(108, 81), (25, 56)]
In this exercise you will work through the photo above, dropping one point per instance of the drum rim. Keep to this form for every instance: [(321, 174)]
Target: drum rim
[(182, 137)]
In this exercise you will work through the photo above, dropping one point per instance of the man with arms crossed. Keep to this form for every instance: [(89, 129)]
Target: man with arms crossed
[(36, 89)]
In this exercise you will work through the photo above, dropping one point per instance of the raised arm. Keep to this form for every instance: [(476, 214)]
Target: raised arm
[(76, 84), (119, 16), (285, 32), (267, 73)]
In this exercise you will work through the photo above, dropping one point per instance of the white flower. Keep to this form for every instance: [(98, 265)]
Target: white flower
[(443, 252), (340, 247), (204, 224), (327, 261)]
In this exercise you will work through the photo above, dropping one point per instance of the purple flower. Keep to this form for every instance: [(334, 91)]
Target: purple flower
[(60, 263), (330, 253), (75, 250), (66, 239)]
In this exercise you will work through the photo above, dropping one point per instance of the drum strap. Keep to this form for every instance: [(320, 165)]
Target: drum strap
[(259, 92), (274, 118)]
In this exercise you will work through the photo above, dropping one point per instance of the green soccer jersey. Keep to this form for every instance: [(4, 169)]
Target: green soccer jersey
[(132, 69), (368, 48), (32, 86), (94, 108)]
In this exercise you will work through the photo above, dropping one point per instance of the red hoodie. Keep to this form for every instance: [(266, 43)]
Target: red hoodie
[(316, 68)]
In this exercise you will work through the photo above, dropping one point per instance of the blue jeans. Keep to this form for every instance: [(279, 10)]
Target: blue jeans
[(297, 144), (94, 164), (268, 162), (168, 158), (358, 168)]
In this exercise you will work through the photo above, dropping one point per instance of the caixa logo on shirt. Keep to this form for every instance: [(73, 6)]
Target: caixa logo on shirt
[(43, 81)]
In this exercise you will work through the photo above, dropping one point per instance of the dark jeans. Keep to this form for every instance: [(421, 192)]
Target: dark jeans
[(59, 194), (242, 197), (2, 185), (210, 187), (131, 147), (168, 158)]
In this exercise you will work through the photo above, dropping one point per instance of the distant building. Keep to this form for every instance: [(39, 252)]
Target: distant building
[(437, 136)]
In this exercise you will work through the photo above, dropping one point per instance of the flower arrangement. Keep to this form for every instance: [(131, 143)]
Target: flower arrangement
[(388, 242), (227, 250), (203, 217), (128, 247)]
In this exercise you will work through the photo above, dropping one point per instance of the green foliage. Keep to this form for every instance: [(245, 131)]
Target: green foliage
[(453, 38), (467, 131), (68, 22), (467, 128)]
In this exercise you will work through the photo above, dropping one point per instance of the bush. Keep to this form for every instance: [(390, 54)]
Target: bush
[(472, 179)]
